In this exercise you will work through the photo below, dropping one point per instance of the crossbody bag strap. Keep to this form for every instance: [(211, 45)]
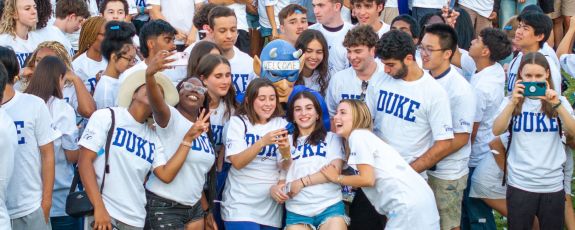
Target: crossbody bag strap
[(107, 149)]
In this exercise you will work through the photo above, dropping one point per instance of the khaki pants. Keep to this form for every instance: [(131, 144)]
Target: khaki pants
[(388, 14), (479, 22)]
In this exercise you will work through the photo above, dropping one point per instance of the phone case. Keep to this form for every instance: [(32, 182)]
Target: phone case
[(533, 89)]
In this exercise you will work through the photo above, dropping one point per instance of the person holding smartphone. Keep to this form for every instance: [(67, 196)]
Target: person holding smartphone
[(257, 146), (315, 201), (535, 153)]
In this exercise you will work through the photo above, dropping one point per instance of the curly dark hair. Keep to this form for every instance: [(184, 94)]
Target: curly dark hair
[(396, 45), (360, 35), (44, 9), (497, 42), (201, 16)]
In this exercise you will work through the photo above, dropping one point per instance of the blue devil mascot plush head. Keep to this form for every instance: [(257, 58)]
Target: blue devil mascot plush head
[(280, 63)]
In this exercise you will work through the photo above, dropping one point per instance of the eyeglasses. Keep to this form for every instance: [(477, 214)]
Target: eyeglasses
[(364, 85), (426, 50), (194, 88), (132, 61)]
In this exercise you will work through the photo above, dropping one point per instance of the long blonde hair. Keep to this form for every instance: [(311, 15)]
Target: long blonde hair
[(8, 23), (360, 113), (537, 59)]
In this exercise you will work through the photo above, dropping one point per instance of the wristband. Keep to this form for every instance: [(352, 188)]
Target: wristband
[(557, 105), (187, 144), (301, 179)]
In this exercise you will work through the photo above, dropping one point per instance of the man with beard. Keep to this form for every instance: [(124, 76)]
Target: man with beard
[(410, 109)]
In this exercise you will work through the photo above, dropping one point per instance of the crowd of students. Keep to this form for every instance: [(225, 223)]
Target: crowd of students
[(404, 115)]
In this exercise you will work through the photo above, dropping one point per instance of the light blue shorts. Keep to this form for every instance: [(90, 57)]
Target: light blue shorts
[(336, 210)]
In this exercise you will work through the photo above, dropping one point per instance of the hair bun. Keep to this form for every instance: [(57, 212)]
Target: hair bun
[(119, 31)]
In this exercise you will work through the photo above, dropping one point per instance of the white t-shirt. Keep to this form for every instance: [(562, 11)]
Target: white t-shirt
[(22, 48), (246, 194), (106, 92), (548, 51), (9, 145), (536, 154), (346, 85), (435, 4), (175, 75), (487, 86), (345, 14), (217, 123), (384, 28), (278, 6), (87, 69), (337, 53), (53, 33), (482, 7), (242, 66), (307, 160), (135, 149), (311, 82), (462, 105), (173, 10), (399, 192), (33, 128), (514, 69), (187, 186), (568, 63), (241, 15), (410, 115), (391, 4), (64, 119)]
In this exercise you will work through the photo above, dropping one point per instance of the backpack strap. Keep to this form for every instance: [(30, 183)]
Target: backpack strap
[(107, 150)]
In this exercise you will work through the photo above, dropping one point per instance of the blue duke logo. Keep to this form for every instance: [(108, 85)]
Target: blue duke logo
[(397, 105), (307, 150), (240, 82), (267, 151), (534, 122), (19, 126), (134, 144)]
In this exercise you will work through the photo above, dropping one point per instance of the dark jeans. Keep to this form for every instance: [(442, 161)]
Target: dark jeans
[(475, 214), (363, 215), (65, 223), (523, 206), (419, 12), (162, 212)]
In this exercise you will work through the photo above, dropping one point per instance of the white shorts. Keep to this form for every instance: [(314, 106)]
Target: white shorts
[(486, 180)]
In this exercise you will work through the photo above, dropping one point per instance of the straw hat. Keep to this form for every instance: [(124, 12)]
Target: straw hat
[(137, 79)]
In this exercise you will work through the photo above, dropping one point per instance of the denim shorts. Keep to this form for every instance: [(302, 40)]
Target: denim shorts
[(266, 32), (162, 212), (336, 210)]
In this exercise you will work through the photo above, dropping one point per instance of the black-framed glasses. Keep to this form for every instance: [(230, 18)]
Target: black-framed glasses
[(427, 50), (132, 61), (364, 85)]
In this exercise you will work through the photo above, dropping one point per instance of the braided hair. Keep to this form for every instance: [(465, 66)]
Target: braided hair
[(57, 48), (89, 34)]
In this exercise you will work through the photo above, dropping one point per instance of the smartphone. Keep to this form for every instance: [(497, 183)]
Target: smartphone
[(181, 59), (180, 45), (290, 128), (451, 4), (534, 89)]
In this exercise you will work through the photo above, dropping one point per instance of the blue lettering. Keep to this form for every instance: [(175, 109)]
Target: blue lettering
[(92, 82), (397, 106), (553, 124), (516, 123), (411, 110), (511, 82), (540, 122), (152, 147), (19, 126), (530, 119), (22, 58), (240, 82), (217, 132), (141, 150), (131, 143), (120, 133)]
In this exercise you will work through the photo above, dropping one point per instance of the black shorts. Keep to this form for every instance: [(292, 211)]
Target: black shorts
[(164, 212), (523, 206)]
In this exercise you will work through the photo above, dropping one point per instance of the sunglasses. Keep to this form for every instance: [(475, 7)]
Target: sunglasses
[(194, 88)]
